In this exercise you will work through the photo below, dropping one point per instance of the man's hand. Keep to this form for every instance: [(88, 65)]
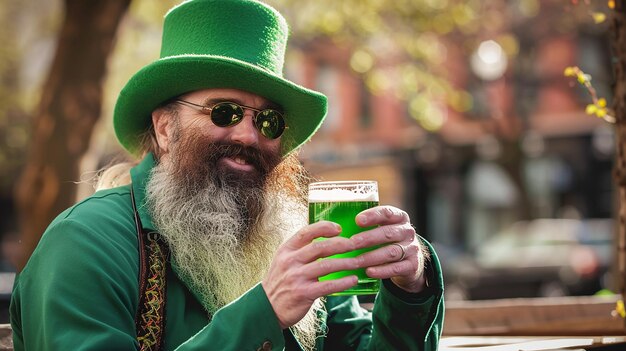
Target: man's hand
[(402, 255), (292, 285)]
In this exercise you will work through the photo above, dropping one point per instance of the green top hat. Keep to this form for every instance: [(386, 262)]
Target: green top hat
[(237, 44)]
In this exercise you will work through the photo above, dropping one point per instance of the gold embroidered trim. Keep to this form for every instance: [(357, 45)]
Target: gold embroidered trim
[(152, 303)]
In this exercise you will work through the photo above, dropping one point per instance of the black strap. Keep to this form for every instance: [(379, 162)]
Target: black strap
[(150, 317)]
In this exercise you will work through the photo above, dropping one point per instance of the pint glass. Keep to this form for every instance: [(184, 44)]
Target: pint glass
[(340, 202)]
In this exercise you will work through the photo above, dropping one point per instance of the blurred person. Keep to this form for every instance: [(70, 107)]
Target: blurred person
[(204, 244)]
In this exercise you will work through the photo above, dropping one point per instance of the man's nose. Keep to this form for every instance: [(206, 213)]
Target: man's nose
[(244, 132)]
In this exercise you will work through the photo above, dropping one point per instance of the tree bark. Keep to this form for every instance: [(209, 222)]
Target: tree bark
[(618, 42), (69, 108)]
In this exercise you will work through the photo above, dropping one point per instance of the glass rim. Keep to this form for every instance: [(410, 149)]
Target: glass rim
[(343, 191), (343, 182)]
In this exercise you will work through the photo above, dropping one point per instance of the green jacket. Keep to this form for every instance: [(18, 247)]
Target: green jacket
[(80, 291)]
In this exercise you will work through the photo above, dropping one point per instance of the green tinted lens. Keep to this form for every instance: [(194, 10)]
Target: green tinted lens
[(270, 123), (226, 114)]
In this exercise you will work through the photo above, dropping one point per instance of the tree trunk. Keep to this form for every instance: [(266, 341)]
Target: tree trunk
[(69, 108), (618, 41)]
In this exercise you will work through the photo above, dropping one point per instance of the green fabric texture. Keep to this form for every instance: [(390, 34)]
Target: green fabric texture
[(79, 291), (236, 44)]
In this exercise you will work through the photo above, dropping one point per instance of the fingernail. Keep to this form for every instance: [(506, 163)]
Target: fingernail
[(361, 219)]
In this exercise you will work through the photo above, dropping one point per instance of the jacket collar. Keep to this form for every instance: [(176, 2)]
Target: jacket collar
[(140, 175)]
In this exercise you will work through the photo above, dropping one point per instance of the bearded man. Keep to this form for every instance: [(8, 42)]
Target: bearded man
[(207, 247)]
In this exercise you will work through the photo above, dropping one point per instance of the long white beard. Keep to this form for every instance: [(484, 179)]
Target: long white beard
[(218, 252)]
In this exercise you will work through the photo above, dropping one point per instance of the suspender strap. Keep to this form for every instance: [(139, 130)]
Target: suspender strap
[(150, 317)]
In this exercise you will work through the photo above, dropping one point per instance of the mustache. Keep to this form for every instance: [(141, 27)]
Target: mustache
[(263, 161)]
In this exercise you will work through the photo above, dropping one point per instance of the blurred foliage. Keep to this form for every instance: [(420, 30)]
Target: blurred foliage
[(403, 46), (398, 47), (598, 107)]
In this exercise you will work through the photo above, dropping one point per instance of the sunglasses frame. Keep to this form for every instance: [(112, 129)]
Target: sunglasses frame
[(207, 110)]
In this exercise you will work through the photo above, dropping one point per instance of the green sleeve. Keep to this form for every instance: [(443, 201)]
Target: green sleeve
[(349, 326), (247, 323), (78, 292), (399, 321), (404, 321)]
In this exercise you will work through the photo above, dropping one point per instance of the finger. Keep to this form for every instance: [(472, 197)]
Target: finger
[(328, 287), (326, 266), (324, 248), (402, 233), (389, 254), (321, 229), (381, 215), (396, 269)]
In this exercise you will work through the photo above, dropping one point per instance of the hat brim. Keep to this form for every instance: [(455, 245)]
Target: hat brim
[(304, 109)]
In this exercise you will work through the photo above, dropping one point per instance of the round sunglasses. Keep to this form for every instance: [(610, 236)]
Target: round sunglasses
[(269, 122)]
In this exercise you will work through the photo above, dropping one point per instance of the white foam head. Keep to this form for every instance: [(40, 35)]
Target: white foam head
[(343, 191)]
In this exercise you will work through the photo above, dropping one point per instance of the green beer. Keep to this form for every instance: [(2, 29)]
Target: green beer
[(340, 202)]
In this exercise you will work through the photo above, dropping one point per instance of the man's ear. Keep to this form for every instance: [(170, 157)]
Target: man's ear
[(162, 122)]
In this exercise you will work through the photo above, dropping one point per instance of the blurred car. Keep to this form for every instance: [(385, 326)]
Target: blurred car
[(538, 258)]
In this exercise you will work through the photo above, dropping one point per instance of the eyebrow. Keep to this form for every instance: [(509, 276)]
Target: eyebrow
[(267, 105)]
